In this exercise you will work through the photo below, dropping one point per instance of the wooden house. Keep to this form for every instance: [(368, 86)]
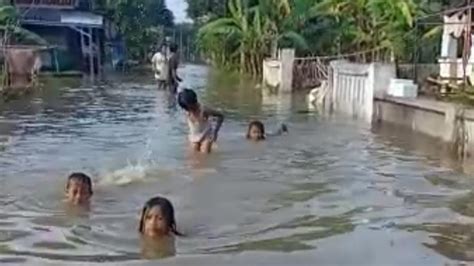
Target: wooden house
[(72, 27)]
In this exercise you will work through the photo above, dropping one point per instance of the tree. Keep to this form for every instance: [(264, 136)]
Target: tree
[(142, 22), (252, 30), (285, 21), (385, 25), (232, 30), (185, 35), (13, 33), (203, 11)]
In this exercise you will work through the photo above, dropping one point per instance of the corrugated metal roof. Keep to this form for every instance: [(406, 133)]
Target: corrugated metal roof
[(56, 17)]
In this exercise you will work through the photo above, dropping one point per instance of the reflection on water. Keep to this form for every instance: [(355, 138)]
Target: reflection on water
[(455, 241), (300, 193), (329, 185)]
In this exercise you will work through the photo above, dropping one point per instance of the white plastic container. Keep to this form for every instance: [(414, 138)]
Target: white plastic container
[(404, 88)]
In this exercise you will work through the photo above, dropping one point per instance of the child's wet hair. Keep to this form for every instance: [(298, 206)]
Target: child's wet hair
[(167, 210), (80, 177), (187, 98), (258, 125), (173, 47)]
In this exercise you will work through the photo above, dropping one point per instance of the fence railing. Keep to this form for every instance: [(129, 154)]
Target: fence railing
[(309, 72), (351, 90)]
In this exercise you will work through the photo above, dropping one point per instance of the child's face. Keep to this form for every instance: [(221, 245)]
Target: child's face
[(78, 193), (255, 133), (155, 223)]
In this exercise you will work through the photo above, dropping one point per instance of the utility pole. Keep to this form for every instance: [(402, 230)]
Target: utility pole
[(188, 44), (181, 48)]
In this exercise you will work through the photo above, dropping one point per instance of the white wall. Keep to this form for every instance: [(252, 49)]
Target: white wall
[(382, 74), (272, 72), (353, 87), (279, 72)]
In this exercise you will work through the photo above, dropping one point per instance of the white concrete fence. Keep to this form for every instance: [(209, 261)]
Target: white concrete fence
[(278, 72), (352, 87)]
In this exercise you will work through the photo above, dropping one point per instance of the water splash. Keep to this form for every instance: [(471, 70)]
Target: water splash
[(133, 172)]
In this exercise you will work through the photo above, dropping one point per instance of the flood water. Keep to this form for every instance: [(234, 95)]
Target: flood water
[(332, 192)]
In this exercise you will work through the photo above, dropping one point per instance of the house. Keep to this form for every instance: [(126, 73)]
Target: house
[(76, 32)]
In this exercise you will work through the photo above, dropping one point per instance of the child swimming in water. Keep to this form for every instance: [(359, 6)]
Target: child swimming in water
[(256, 131), (157, 219), (79, 189), (202, 134)]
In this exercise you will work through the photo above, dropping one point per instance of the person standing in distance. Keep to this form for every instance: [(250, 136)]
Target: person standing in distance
[(173, 65), (160, 65)]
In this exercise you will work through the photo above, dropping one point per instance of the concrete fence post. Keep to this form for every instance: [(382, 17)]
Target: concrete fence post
[(287, 64), (370, 89)]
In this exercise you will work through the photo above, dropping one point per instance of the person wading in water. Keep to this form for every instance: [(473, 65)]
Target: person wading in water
[(173, 64), (160, 65), (165, 65)]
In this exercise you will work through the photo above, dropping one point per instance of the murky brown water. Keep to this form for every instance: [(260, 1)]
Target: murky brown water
[(333, 192)]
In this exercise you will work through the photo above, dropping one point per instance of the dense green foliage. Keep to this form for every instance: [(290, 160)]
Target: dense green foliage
[(184, 34), (143, 23), (11, 30), (245, 31), (204, 10)]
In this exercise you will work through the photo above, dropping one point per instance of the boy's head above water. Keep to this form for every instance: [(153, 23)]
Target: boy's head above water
[(188, 100), (79, 189), (157, 218), (256, 131)]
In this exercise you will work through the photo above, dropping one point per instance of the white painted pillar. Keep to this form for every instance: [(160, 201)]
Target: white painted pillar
[(449, 48), (470, 68), (378, 81), (370, 92), (287, 61)]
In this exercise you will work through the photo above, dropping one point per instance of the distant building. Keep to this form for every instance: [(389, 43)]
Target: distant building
[(76, 32)]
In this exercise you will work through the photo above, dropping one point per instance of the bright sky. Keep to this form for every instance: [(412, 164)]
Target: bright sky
[(179, 10)]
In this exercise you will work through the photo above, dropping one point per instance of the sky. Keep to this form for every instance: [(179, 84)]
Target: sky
[(179, 10)]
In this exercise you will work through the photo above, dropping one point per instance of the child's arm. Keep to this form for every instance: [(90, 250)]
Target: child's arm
[(282, 130), (220, 120)]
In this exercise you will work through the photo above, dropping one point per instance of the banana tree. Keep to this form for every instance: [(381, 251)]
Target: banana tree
[(234, 29), (12, 31), (393, 21), (284, 22), (377, 24)]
